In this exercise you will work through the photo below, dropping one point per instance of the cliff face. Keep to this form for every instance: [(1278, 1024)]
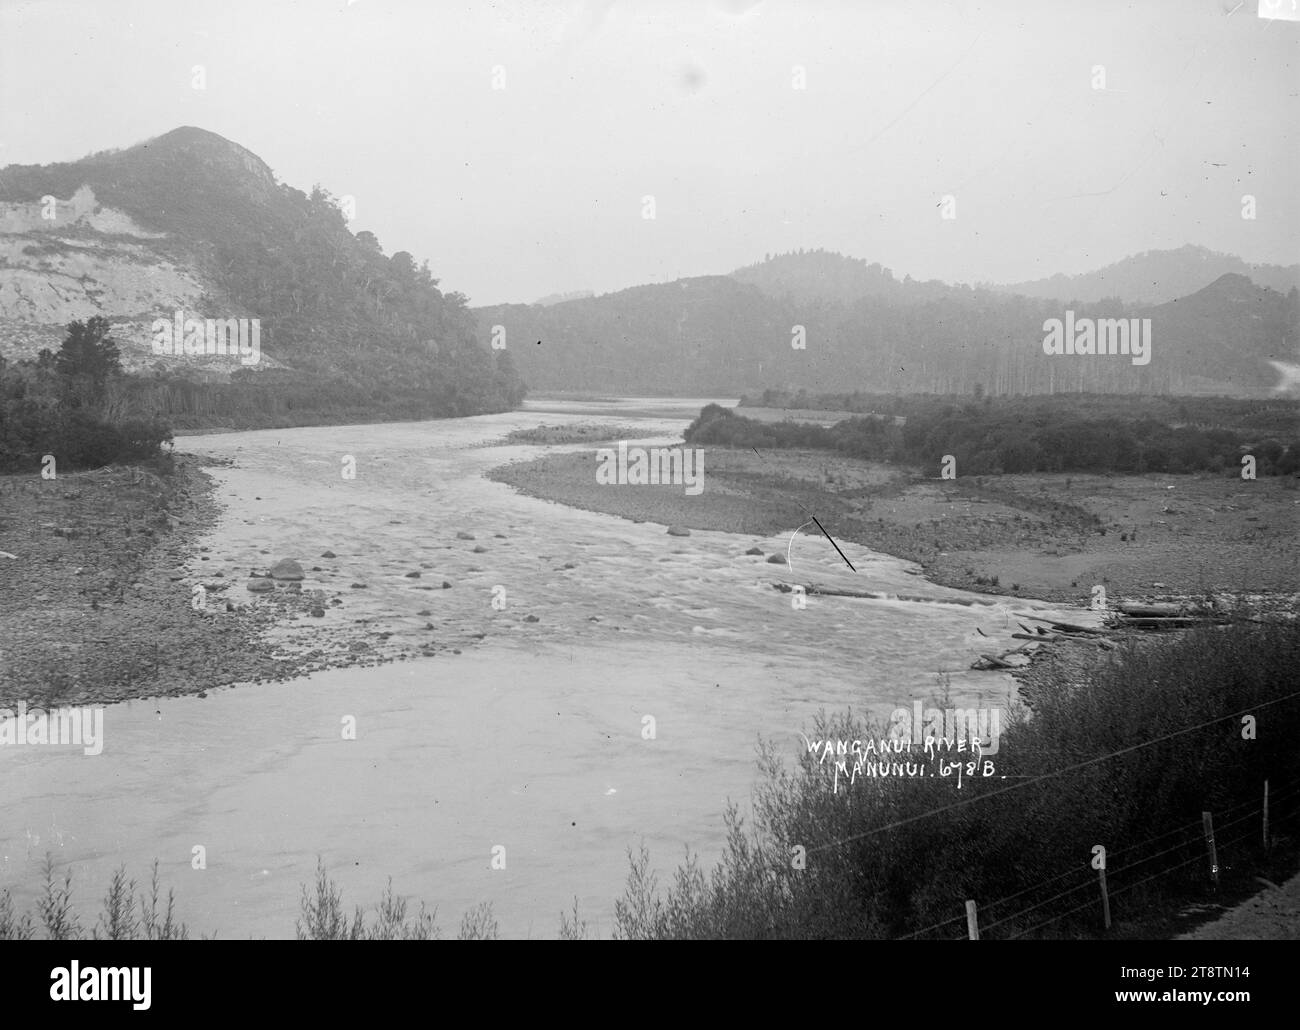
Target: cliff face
[(66, 258)]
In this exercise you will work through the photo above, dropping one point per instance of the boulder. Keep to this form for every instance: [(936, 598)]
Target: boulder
[(776, 559), (678, 531), (755, 550), (287, 568), (260, 586), (462, 535)]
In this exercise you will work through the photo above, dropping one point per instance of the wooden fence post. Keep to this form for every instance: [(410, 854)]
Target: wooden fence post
[(1208, 821), (972, 922), (1105, 896)]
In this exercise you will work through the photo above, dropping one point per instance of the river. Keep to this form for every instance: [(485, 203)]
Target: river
[(531, 745)]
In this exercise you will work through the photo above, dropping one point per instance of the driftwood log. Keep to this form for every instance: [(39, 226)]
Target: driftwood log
[(1072, 627)]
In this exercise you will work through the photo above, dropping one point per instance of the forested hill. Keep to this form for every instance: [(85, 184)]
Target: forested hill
[(806, 276), (693, 335), (862, 329), (191, 220)]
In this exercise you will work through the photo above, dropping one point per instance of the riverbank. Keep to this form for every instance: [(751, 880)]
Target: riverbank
[(1051, 537), (94, 603)]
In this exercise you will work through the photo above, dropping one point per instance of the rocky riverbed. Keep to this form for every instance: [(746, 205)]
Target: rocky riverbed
[(93, 599)]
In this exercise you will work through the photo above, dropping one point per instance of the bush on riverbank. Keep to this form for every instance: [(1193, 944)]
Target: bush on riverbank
[(1014, 436), (587, 432), (1261, 417), (1106, 762), (323, 918), (69, 405), (124, 916)]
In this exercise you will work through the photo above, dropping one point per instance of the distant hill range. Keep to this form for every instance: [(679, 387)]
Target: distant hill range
[(192, 222), (556, 298), (863, 329), (1156, 276), (806, 276)]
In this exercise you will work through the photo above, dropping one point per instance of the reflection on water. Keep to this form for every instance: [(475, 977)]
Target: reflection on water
[(531, 739)]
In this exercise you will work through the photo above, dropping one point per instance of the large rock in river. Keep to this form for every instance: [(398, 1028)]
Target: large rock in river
[(286, 568)]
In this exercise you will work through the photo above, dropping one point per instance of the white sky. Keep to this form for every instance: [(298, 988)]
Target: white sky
[(511, 194)]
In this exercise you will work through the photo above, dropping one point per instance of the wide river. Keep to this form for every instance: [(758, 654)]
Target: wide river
[(530, 745)]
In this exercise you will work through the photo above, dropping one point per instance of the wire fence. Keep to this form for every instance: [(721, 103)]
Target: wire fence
[(1099, 879)]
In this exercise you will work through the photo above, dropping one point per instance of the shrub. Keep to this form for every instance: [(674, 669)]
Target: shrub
[(1130, 759), (124, 916)]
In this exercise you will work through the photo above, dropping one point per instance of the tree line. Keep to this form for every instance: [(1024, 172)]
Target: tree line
[(1010, 435)]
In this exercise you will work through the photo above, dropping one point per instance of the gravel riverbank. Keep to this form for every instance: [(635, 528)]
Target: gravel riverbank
[(94, 602)]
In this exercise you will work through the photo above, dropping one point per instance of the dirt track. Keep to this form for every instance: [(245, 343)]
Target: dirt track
[(1272, 915)]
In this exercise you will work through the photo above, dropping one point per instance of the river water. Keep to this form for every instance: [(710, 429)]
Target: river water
[(530, 745)]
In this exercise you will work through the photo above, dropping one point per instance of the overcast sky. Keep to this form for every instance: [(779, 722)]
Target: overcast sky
[(537, 187)]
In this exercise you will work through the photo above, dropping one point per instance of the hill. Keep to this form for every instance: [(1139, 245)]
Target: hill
[(805, 276), (193, 222), (690, 336), (556, 298), (1156, 277), (730, 335)]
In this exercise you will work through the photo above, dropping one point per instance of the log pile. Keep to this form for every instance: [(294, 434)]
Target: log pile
[(1147, 617), (1163, 616), (1037, 637)]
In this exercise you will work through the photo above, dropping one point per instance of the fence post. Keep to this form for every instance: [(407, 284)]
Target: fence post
[(1266, 815), (972, 922), (1105, 896), (1208, 821)]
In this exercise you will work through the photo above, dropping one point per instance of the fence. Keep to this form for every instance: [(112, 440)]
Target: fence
[(1100, 882)]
